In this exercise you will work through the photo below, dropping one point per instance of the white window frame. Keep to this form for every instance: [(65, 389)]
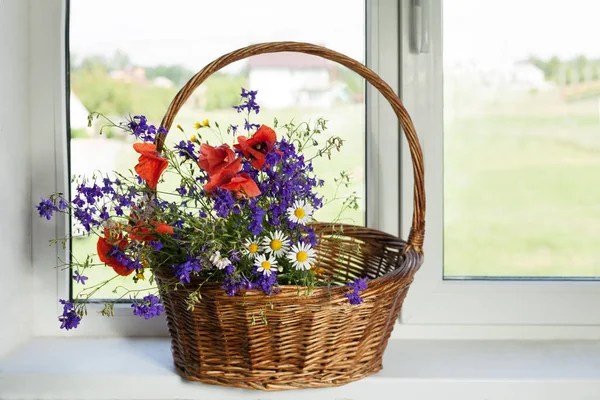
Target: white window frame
[(470, 309), (49, 162)]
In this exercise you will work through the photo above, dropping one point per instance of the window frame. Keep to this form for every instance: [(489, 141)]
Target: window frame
[(49, 148), (438, 308)]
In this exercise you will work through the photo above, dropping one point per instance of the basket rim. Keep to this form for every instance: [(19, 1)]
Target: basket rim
[(410, 254)]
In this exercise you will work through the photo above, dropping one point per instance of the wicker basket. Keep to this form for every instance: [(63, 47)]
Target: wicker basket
[(301, 341)]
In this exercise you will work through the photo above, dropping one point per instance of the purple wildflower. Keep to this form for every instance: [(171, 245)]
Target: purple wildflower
[(234, 129), (184, 270), (46, 208), (224, 202), (127, 262), (69, 318), (186, 150), (62, 204), (149, 308), (359, 284), (233, 284), (104, 214), (141, 130), (234, 256), (156, 245), (266, 283), (79, 278), (248, 126)]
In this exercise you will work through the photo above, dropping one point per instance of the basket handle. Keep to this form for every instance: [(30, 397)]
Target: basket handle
[(415, 238)]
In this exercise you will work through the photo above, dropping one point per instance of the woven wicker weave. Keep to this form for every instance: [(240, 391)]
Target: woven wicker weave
[(293, 339)]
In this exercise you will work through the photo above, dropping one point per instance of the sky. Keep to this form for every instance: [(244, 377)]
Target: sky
[(500, 31), (195, 32)]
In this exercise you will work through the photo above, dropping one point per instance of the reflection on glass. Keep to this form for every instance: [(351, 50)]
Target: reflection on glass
[(521, 139), (129, 60)]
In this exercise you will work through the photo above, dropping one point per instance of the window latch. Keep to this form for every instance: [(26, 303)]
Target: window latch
[(420, 26)]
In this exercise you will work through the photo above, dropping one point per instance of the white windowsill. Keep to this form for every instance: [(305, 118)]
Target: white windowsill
[(49, 368)]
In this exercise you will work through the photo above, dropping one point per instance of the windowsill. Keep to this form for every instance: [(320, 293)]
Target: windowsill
[(50, 368)]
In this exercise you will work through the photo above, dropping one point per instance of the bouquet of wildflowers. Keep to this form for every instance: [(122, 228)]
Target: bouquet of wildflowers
[(240, 215)]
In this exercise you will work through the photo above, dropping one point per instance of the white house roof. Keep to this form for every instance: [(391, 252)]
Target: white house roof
[(288, 60)]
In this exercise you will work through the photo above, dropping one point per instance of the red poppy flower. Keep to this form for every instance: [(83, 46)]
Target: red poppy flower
[(214, 159), (145, 233), (224, 175), (256, 147), (103, 247), (150, 164), (242, 182)]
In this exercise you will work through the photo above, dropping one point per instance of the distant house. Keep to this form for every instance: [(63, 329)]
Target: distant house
[(162, 81), (291, 80), (130, 75)]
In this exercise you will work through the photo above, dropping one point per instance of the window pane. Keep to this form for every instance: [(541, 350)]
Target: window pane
[(522, 138), (128, 59)]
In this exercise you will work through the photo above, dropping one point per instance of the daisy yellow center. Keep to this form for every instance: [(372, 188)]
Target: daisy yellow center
[(299, 212), (266, 265), (276, 244), (253, 248), (301, 256)]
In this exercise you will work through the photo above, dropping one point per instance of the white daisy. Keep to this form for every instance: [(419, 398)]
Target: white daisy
[(265, 265), (301, 212), (251, 247), (302, 256), (276, 244), (218, 261)]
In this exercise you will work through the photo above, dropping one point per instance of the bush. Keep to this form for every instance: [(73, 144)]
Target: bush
[(100, 93), (223, 90)]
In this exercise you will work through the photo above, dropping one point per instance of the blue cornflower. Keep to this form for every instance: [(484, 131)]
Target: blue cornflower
[(46, 208), (69, 318), (149, 308), (79, 278), (182, 190), (359, 284), (234, 129)]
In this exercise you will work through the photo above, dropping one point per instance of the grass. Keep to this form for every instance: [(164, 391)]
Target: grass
[(522, 196)]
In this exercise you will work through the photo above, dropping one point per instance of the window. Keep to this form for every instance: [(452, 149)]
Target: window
[(509, 160), (375, 150), (123, 64), (521, 139)]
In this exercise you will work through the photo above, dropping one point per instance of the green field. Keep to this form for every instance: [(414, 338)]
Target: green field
[(522, 190)]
